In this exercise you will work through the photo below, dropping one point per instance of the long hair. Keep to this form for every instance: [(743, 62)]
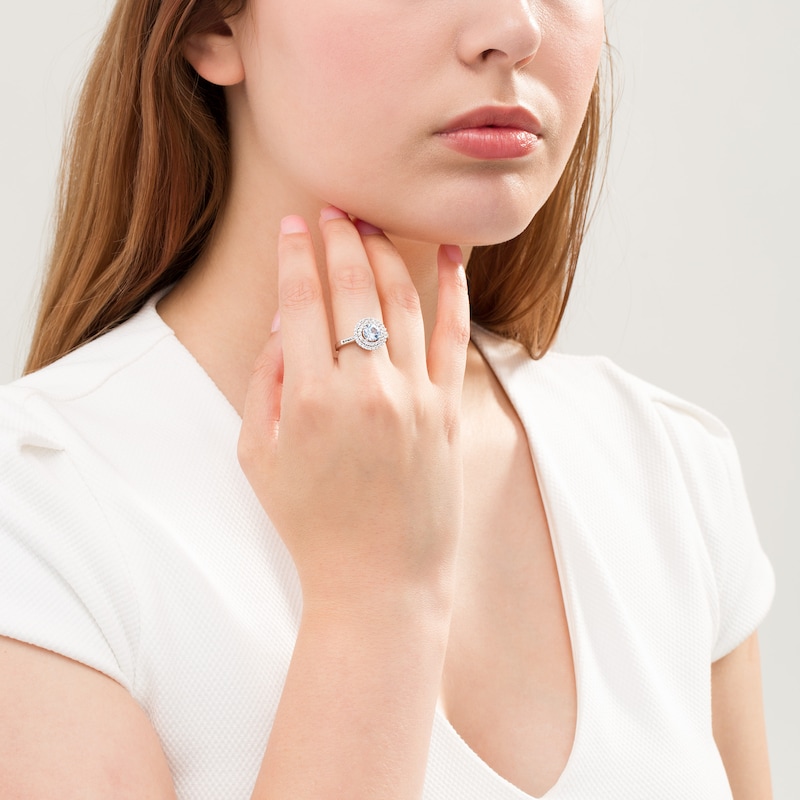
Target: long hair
[(145, 172), (520, 288)]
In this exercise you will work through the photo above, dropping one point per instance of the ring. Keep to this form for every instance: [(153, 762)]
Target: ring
[(369, 334)]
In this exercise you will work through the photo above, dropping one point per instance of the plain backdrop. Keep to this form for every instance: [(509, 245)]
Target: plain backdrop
[(689, 278)]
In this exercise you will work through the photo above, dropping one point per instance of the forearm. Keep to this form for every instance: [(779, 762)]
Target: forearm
[(355, 716), (738, 719), (358, 464)]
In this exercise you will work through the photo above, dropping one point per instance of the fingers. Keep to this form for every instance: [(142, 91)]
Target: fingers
[(447, 353), (304, 320), (262, 407), (353, 291), (368, 278), (399, 301)]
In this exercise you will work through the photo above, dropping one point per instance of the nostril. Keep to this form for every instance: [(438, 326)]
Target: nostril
[(496, 53), (525, 61)]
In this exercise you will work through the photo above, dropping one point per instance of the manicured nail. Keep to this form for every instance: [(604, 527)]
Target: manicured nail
[(276, 322), (365, 229), (293, 224), (331, 212), (453, 252)]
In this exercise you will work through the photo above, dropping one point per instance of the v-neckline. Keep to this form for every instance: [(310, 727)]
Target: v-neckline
[(487, 342), (492, 347)]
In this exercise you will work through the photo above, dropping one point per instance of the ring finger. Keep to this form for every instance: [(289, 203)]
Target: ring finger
[(354, 296)]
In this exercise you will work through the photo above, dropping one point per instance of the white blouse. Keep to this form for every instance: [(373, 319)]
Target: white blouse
[(131, 541)]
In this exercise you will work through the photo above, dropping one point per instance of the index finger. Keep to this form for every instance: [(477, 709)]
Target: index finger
[(304, 321)]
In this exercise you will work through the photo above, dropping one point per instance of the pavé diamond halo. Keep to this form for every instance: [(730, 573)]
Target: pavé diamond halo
[(369, 334)]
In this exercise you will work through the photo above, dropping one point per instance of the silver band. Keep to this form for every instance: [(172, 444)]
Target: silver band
[(369, 334)]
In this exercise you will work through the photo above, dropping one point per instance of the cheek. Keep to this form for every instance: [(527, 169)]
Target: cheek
[(572, 42), (342, 103), (338, 66), (334, 106)]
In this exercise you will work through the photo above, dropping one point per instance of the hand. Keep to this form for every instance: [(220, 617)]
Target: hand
[(357, 459)]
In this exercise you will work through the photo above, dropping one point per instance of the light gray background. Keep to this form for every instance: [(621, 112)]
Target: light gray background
[(690, 277)]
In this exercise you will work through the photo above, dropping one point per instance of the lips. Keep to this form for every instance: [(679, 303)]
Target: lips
[(493, 132), (514, 117)]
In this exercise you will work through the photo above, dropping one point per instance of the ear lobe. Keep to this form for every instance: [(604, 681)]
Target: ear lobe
[(215, 56)]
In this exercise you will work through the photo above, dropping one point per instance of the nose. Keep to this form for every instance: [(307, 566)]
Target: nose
[(502, 31)]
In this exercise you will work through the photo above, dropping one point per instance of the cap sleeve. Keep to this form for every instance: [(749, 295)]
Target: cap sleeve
[(64, 584), (744, 581)]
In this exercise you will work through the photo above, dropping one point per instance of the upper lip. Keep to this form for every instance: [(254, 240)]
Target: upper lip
[(496, 117)]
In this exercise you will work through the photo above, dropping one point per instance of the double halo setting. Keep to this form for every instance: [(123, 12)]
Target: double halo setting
[(369, 334)]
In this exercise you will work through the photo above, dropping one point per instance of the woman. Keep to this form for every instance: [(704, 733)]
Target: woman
[(254, 548)]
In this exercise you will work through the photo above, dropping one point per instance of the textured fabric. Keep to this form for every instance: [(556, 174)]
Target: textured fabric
[(131, 541)]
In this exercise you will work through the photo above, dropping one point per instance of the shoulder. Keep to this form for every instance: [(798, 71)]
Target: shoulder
[(92, 365), (651, 446), (65, 581), (102, 395), (623, 417), (596, 388)]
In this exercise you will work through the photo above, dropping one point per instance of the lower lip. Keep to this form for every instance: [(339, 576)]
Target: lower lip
[(491, 143)]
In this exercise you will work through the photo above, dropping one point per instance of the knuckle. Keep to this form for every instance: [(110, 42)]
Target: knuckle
[(377, 402), (380, 247), (307, 399), (353, 280), (458, 331), (460, 281), (314, 407), (339, 231), (265, 367), (404, 297), (300, 293), (295, 249)]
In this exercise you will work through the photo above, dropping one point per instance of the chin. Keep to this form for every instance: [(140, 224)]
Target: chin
[(469, 230), (498, 234), (466, 224)]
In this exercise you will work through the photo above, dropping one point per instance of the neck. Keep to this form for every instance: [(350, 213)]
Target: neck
[(223, 309)]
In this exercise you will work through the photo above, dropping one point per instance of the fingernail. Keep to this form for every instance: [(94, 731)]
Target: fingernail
[(331, 212), (276, 322), (453, 252), (293, 224), (365, 229)]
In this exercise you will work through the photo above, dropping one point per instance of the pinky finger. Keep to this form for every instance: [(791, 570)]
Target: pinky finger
[(447, 353)]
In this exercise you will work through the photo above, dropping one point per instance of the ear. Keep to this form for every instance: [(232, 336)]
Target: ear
[(215, 55)]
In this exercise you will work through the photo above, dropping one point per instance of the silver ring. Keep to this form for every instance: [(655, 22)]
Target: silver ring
[(369, 334)]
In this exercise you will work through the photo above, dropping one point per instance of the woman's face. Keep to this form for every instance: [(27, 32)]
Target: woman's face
[(346, 102)]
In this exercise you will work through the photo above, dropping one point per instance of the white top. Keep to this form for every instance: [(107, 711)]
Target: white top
[(131, 541)]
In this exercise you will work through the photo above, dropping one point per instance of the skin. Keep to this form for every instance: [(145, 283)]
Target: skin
[(423, 592), (376, 156)]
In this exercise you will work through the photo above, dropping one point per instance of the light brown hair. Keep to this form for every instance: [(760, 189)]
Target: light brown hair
[(520, 288), (144, 176)]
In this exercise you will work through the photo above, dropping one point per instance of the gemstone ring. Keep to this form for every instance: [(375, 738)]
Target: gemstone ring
[(369, 334)]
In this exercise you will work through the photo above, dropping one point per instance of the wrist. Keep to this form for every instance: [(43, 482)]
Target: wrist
[(385, 606)]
